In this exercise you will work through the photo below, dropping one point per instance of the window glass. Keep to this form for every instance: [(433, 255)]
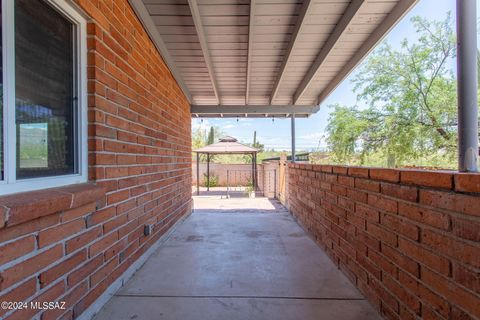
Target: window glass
[(45, 106), (1, 96)]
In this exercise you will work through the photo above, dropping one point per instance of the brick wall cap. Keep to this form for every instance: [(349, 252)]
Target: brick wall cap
[(25, 206), (442, 179), (467, 182), (357, 171), (326, 168), (425, 170), (385, 174), (338, 169)]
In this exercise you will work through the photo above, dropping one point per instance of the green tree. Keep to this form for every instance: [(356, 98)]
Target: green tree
[(198, 138), (211, 136), (410, 103), (344, 130), (256, 144)]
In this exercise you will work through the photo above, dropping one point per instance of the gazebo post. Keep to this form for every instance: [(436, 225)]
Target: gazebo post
[(198, 174), (256, 171), (208, 171), (253, 170)]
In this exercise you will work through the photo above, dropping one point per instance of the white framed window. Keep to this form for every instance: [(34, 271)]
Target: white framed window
[(43, 108)]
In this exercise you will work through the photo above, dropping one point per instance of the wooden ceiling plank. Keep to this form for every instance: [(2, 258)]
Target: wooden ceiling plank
[(251, 35), (339, 30), (304, 11), (399, 11), (197, 20), (152, 31)]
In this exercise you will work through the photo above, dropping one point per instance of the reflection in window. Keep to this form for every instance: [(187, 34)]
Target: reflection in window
[(33, 145), (45, 91)]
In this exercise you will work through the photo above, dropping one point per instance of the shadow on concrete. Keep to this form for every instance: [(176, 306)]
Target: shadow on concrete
[(232, 194), (234, 211)]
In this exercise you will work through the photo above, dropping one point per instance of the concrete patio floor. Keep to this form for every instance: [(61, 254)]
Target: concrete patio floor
[(238, 259)]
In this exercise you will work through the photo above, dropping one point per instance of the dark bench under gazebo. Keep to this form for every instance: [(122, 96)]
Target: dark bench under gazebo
[(226, 145)]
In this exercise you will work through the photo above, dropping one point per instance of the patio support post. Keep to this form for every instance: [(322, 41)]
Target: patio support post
[(198, 174), (293, 137), (467, 86), (208, 171)]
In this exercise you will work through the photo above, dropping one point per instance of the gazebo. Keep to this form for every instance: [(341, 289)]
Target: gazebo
[(226, 145)]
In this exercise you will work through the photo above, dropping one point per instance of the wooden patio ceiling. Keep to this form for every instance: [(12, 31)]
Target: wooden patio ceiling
[(262, 58)]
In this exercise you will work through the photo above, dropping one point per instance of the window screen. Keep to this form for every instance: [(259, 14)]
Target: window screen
[(1, 97), (45, 105)]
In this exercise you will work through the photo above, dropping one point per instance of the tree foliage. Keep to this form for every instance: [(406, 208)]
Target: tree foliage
[(211, 136), (408, 98), (200, 138)]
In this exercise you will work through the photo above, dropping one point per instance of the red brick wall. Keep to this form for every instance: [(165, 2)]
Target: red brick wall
[(70, 244), (408, 239)]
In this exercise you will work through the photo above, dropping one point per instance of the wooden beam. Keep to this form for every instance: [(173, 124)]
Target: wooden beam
[(252, 110), (400, 10), (197, 20), (146, 20), (332, 40), (250, 49), (304, 11)]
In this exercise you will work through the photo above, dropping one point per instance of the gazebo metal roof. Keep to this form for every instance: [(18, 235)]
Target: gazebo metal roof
[(227, 145)]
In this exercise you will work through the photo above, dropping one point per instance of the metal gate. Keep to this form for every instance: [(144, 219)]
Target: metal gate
[(239, 182), (268, 183)]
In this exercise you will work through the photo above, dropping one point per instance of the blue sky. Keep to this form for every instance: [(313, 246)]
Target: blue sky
[(310, 133)]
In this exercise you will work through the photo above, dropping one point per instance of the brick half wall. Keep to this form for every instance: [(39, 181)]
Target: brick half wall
[(71, 243), (408, 239)]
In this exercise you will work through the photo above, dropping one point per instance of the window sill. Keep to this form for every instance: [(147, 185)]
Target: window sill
[(22, 207)]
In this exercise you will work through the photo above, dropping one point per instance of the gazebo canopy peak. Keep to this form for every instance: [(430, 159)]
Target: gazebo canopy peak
[(227, 145), (228, 139)]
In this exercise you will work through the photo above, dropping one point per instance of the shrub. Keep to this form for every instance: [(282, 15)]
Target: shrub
[(213, 180)]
